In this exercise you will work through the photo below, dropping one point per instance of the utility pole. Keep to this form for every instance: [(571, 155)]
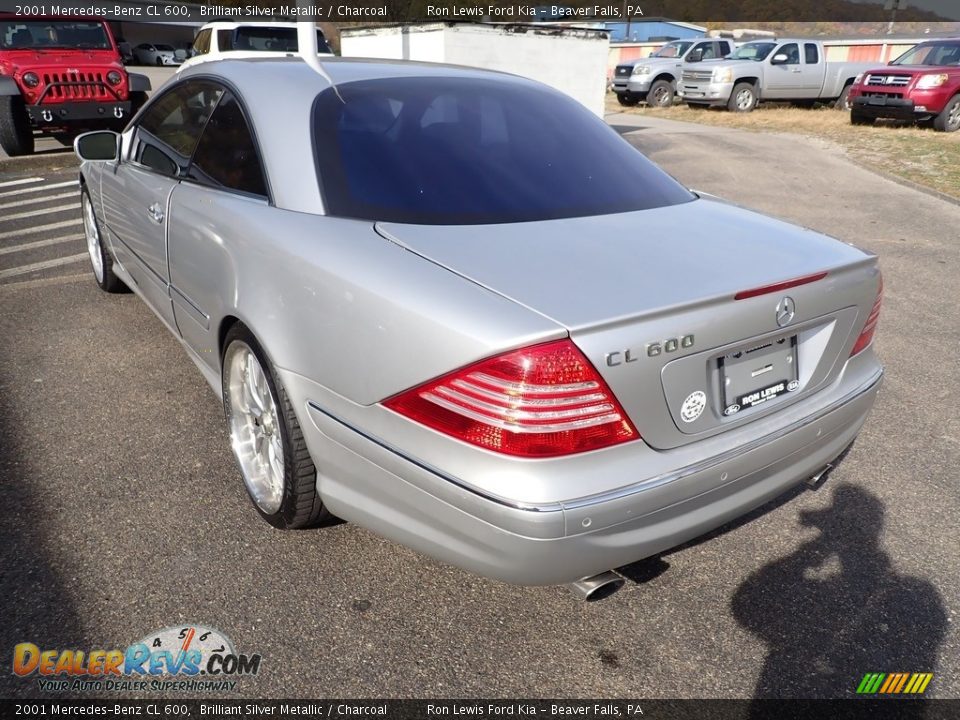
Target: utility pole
[(893, 6)]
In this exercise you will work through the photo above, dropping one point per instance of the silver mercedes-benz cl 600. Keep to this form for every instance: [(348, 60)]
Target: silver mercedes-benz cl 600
[(456, 308)]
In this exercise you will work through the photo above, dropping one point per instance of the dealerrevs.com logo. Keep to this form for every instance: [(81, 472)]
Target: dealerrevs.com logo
[(191, 658)]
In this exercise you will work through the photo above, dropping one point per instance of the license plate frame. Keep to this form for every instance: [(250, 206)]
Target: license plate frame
[(755, 375)]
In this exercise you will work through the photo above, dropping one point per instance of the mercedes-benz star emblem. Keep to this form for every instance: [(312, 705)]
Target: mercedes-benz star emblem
[(786, 309)]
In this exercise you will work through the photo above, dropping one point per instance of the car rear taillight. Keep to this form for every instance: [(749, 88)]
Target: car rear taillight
[(866, 335), (541, 401)]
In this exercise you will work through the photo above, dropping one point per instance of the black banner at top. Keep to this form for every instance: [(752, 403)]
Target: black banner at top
[(940, 15)]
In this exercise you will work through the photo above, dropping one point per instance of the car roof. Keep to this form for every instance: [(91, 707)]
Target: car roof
[(278, 94)]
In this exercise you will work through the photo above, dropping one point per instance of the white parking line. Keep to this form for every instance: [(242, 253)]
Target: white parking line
[(38, 188), (21, 181), (34, 201), (40, 228), (45, 211), (41, 243), (33, 267)]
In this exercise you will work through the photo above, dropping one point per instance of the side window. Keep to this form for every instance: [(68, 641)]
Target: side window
[(725, 48), (709, 51), (224, 40), (201, 43), (226, 155), (811, 54), (170, 127), (792, 52)]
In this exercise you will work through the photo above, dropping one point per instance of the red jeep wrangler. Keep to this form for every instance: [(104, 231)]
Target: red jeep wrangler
[(922, 85), (62, 76)]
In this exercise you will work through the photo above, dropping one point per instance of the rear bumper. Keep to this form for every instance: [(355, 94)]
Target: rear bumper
[(58, 114), (366, 480)]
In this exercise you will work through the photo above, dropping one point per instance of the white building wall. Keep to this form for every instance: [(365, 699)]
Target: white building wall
[(572, 61)]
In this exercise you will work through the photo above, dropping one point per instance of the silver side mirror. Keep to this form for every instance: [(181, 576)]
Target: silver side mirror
[(97, 146)]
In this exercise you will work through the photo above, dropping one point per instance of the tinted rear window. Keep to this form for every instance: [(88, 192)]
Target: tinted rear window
[(456, 151)]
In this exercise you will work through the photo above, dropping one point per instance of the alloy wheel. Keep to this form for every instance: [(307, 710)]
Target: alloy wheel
[(255, 432), (92, 233)]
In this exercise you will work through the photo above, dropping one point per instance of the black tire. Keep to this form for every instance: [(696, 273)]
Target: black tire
[(108, 282), (301, 506), (159, 62), (627, 99), (843, 102), (858, 118), (661, 94), (949, 118), (16, 135), (743, 98)]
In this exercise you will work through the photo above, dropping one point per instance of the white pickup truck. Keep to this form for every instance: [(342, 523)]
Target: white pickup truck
[(218, 40), (792, 70)]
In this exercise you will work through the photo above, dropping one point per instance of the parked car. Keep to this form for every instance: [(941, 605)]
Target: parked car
[(159, 54), (61, 76), (422, 322), (218, 40), (922, 85), (783, 70), (654, 78)]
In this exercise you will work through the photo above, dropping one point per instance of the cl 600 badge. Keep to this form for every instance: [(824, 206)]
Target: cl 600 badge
[(619, 357)]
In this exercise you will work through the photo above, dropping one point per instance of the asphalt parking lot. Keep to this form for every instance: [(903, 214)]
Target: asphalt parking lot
[(121, 510)]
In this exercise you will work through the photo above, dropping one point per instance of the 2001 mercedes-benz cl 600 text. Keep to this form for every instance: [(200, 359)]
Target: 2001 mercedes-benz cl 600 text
[(457, 308)]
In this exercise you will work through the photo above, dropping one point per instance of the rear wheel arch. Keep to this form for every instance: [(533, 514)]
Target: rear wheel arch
[(226, 324), (842, 102), (298, 503)]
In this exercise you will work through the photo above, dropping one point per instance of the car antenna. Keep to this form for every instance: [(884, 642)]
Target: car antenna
[(309, 51)]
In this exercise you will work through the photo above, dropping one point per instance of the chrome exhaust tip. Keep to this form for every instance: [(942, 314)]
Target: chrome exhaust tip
[(820, 477), (596, 587)]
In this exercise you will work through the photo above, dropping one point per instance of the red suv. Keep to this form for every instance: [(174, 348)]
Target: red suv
[(61, 76), (922, 85)]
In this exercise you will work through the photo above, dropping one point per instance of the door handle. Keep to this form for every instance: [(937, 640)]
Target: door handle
[(796, 70), (156, 212)]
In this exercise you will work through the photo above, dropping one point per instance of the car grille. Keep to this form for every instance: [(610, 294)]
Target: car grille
[(696, 75), (75, 86), (887, 80), (624, 70)]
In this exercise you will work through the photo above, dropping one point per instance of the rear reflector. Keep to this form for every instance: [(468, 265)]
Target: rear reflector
[(767, 289), (870, 327), (541, 401)]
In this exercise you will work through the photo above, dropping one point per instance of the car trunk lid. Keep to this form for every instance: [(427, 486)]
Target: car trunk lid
[(668, 278)]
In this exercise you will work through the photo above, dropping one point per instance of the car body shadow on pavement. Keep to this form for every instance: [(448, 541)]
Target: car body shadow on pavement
[(37, 606), (836, 609)]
